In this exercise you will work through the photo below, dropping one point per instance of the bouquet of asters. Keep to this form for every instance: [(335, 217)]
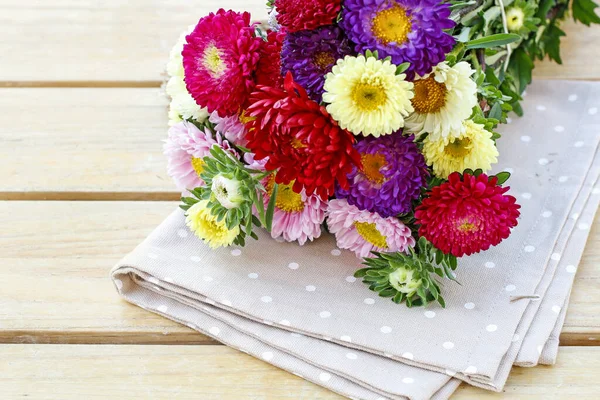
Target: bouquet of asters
[(372, 120)]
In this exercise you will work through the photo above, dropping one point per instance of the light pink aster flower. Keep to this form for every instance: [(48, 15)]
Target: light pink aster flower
[(364, 231), (230, 127), (185, 148), (297, 216)]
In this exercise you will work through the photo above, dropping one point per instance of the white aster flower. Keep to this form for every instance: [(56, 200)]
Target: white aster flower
[(227, 192), (182, 105), (443, 100), (366, 96), (405, 281)]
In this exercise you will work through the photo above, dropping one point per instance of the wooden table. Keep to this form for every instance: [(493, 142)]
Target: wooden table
[(83, 181)]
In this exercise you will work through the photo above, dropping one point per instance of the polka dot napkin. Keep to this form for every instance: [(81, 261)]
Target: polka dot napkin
[(301, 309)]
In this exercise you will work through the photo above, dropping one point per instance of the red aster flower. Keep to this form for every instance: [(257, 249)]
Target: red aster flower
[(219, 61), (468, 215), (268, 71), (301, 140), (299, 15)]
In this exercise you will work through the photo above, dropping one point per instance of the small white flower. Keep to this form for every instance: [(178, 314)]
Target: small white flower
[(515, 17), (405, 281), (227, 192), (182, 105)]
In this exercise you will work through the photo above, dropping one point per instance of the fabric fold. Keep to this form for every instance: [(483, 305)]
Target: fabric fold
[(300, 308)]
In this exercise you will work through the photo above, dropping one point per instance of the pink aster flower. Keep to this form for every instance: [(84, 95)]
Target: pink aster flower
[(185, 148), (297, 216), (364, 231), (231, 127), (219, 61)]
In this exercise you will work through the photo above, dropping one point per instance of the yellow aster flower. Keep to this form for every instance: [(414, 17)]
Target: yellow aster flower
[(471, 147), (366, 96), (205, 225), (443, 99), (183, 105)]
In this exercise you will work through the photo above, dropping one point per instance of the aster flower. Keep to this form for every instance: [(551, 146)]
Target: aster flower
[(268, 71), (230, 127), (219, 60), (185, 148), (467, 214), (520, 17), (300, 139), (310, 55), (207, 227), (390, 177), (405, 30), (470, 148), (299, 15), (227, 191), (366, 96), (182, 105), (363, 231), (443, 100), (297, 216)]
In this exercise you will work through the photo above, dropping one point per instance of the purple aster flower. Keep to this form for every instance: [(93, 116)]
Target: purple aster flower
[(310, 55), (406, 30), (392, 174)]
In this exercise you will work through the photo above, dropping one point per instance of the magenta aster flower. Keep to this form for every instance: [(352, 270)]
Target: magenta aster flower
[(406, 30), (391, 176), (467, 214), (297, 216), (219, 61), (185, 148), (363, 231), (310, 55), (230, 127)]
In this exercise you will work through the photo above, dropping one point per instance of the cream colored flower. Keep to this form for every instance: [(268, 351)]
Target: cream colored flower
[(206, 226), (182, 105), (366, 96), (471, 147), (405, 281), (227, 192), (443, 100)]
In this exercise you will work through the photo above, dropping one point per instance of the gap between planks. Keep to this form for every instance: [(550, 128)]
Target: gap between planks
[(567, 339), (89, 196)]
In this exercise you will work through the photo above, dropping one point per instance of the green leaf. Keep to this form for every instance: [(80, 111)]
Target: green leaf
[(271, 208), (402, 68), (499, 39), (521, 66), (502, 177), (583, 11), (496, 111)]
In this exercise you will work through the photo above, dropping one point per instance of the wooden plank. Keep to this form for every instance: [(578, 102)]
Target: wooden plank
[(54, 264), (126, 43), (116, 42), (217, 372), (83, 144)]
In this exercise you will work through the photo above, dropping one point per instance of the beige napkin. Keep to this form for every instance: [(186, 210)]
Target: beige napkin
[(299, 308)]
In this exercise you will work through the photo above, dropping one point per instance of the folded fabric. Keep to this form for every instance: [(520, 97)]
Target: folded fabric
[(301, 309)]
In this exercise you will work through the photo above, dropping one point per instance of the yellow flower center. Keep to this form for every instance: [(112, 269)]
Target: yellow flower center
[(369, 97), (198, 165), (369, 232), (392, 25), (467, 226), (323, 59), (244, 118), (430, 95), (297, 144), (458, 148), (371, 167), (212, 60), (287, 200), (514, 19)]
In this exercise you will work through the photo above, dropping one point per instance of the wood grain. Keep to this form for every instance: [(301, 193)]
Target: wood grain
[(54, 264), (83, 144), (217, 372)]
